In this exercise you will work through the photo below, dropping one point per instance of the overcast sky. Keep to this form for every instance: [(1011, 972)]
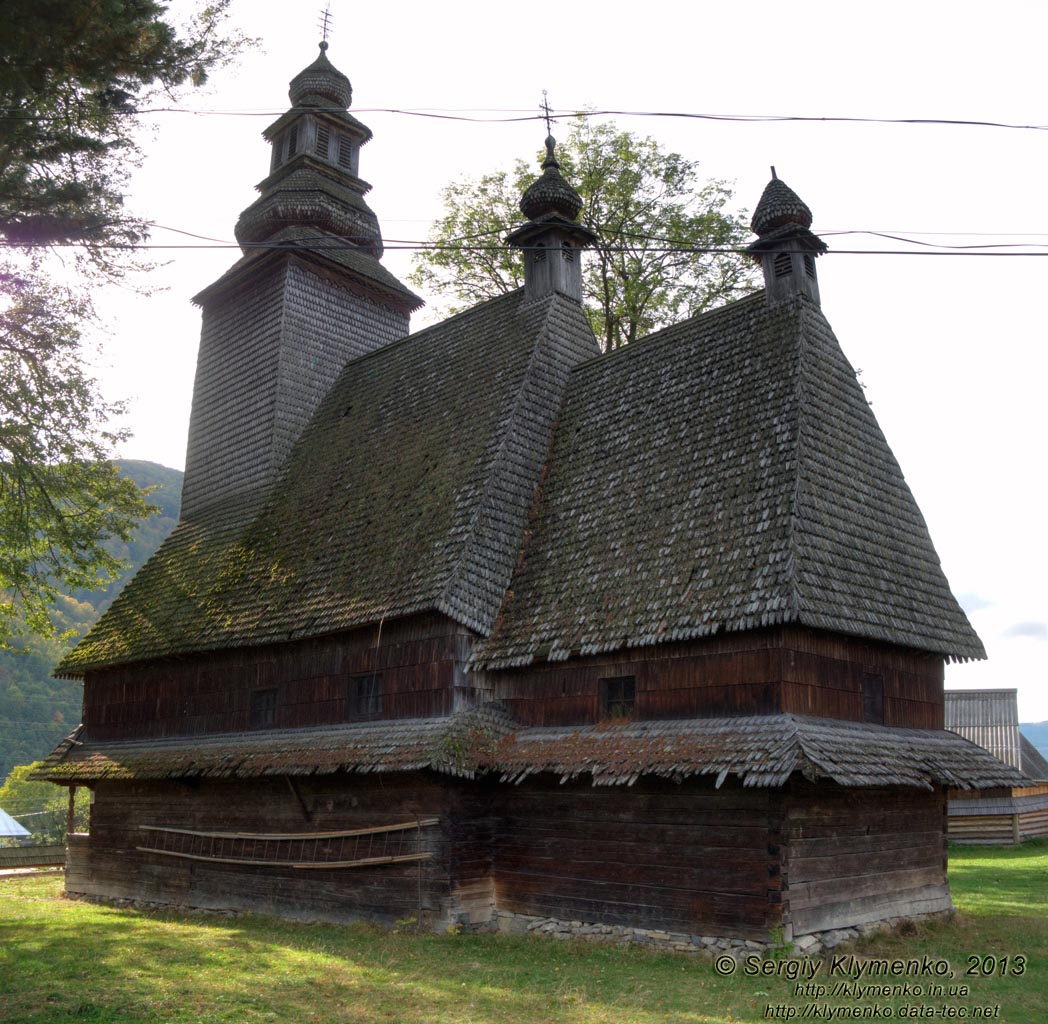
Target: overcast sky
[(951, 347)]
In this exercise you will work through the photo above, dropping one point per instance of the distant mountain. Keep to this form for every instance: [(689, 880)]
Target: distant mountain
[(36, 710), (1037, 734)]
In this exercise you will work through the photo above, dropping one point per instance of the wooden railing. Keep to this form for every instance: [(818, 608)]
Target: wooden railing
[(351, 848)]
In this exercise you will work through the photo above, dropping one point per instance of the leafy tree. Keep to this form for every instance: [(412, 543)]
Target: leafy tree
[(36, 709), (664, 238), (60, 497), (73, 77), (41, 807)]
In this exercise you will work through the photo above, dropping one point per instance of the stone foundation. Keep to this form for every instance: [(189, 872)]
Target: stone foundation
[(505, 922), (509, 923)]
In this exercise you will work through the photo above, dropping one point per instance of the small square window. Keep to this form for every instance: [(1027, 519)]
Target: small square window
[(365, 694), (263, 709), (873, 698), (617, 697)]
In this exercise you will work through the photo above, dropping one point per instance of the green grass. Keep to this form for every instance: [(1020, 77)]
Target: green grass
[(63, 960)]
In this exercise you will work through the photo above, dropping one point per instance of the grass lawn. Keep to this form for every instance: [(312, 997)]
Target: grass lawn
[(62, 960)]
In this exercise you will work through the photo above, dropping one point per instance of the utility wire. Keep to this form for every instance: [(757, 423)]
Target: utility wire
[(446, 114), (396, 245), (901, 236), (472, 242)]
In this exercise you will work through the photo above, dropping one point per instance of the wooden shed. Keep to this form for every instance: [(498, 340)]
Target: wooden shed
[(1006, 815)]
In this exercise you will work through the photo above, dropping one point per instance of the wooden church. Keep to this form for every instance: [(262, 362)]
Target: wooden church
[(479, 626)]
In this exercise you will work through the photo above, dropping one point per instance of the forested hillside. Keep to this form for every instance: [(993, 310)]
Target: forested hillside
[(36, 711)]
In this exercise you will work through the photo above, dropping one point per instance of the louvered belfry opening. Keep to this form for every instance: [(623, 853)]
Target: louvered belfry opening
[(551, 238), (786, 247)]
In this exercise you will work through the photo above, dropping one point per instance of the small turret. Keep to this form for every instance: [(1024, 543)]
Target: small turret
[(314, 177), (786, 247), (552, 239)]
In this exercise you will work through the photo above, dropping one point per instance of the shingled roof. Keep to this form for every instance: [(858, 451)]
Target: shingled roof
[(317, 247), (453, 745), (409, 491), (726, 473), (762, 751)]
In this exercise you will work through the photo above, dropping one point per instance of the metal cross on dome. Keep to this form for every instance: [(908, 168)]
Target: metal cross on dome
[(547, 112), (325, 22)]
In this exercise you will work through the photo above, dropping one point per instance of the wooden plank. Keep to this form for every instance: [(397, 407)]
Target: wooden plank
[(875, 907), (41, 856), (365, 862), (811, 894), (261, 836)]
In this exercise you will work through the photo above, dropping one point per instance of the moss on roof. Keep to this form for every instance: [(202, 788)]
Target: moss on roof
[(762, 751), (408, 491), (726, 473)]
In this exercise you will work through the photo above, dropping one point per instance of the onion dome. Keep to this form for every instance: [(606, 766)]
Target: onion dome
[(786, 246), (550, 194), (779, 205), (782, 218), (321, 85)]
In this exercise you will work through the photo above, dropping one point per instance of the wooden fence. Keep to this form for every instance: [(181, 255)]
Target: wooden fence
[(51, 855), (1001, 817)]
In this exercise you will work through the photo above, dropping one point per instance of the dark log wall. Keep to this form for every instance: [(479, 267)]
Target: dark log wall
[(687, 858), (422, 664), (730, 675), (760, 672), (420, 661), (823, 675), (861, 855), (455, 882)]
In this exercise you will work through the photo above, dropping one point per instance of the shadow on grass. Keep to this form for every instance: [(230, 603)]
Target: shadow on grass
[(63, 960), (78, 961)]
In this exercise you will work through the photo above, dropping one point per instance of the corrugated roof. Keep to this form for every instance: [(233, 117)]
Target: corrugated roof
[(726, 473), (763, 751), (409, 491), (987, 717), (1034, 765), (10, 827)]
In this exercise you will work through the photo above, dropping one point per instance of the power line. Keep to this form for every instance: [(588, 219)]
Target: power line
[(897, 234), (399, 245), (454, 114)]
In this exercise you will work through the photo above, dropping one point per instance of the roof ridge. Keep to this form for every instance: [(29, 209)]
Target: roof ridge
[(871, 568), (445, 603), (659, 336), (793, 584), (417, 336)]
